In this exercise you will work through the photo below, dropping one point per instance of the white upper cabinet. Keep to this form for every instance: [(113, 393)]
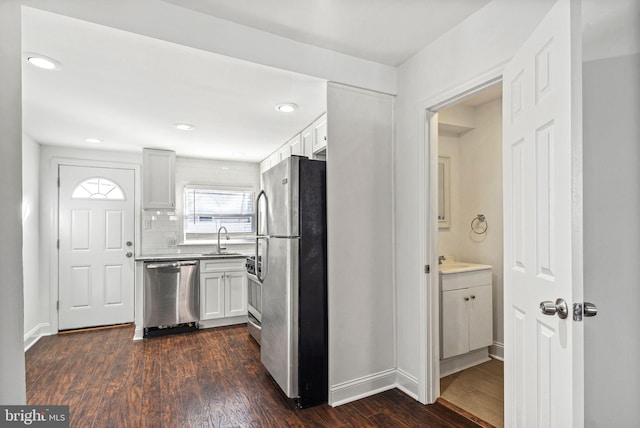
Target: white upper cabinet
[(284, 151), (158, 179), (295, 146), (311, 142), (306, 139), (319, 134)]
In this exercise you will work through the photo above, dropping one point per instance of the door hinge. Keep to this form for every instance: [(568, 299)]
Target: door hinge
[(58, 181), (58, 244), (57, 305), (427, 268)]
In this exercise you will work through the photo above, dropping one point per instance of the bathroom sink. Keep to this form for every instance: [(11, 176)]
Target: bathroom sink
[(456, 267)]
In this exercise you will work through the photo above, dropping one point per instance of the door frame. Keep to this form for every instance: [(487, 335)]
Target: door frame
[(428, 287), (51, 191)]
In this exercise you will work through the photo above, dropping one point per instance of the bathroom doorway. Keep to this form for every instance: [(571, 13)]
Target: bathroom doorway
[(470, 250)]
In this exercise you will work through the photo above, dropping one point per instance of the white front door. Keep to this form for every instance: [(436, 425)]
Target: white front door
[(96, 231), (543, 224)]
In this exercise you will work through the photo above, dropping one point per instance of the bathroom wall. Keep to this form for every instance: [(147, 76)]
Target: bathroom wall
[(476, 188)]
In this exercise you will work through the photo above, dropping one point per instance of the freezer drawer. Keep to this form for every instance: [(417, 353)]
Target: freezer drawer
[(171, 293)]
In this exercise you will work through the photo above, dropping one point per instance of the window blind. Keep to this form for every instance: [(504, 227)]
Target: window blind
[(207, 209)]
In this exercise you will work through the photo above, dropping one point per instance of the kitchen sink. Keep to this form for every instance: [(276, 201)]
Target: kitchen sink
[(221, 254)]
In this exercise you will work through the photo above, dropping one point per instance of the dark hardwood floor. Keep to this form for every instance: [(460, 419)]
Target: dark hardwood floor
[(210, 378)]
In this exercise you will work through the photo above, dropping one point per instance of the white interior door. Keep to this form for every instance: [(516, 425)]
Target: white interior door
[(96, 232), (543, 224)]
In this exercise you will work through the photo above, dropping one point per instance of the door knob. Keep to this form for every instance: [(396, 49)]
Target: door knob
[(559, 307), (129, 243), (129, 254)]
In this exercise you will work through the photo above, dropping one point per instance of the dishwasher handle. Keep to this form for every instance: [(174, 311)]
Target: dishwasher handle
[(170, 264)]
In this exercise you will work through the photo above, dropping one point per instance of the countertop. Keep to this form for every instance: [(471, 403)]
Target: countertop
[(188, 256), (457, 267)]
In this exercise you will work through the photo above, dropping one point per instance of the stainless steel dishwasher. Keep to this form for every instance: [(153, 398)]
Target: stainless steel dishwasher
[(171, 297)]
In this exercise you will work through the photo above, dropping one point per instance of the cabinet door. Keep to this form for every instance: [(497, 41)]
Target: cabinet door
[(455, 322), (320, 134), (480, 317), (274, 159), (159, 177), (284, 152), (306, 138), (235, 294), (212, 295), (296, 146)]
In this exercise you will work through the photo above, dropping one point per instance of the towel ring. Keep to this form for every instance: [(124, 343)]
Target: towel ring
[(477, 225)]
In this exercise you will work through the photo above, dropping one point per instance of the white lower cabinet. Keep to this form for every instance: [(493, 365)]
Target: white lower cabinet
[(466, 317), (223, 290)]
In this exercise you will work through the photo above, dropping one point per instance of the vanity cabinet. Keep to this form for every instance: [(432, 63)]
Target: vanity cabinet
[(158, 179), (466, 317), (223, 290)]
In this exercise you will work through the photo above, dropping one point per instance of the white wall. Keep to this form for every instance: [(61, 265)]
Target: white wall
[(611, 91), (478, 47), (33, 319), (360, 243), (12, 370), (478, 190)]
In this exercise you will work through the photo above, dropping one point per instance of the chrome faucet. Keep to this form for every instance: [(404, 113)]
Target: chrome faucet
[(440, 259), (227, 238)]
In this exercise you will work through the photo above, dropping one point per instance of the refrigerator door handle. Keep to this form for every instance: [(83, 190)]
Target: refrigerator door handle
[(266, 224), (264, 269)]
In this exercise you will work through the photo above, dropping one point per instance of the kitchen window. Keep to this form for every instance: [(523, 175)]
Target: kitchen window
[(207, 208)]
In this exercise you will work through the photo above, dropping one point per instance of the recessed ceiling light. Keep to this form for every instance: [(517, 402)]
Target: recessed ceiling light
[(184, 126), (93, 140), (286, 108), (238, 155), (42, 61)]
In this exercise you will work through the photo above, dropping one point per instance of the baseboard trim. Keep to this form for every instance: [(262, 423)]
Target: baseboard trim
[(32, 337), (365, 386), (222, 322), (407, 384), (461, 362), (497, 351), (138, 334)]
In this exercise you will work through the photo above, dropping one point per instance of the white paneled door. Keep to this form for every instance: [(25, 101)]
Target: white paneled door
[(96, 232), (543, 224)]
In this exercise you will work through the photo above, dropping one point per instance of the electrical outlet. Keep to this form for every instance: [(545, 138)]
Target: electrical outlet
[(147, 224)]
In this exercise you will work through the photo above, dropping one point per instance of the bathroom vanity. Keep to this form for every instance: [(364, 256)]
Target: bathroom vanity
[(466, 316)]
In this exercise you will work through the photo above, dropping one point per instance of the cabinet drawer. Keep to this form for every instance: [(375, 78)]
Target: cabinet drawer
[(222, 265), (457, 281)]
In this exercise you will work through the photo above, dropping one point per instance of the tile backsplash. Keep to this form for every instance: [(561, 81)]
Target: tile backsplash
[(161, 230)]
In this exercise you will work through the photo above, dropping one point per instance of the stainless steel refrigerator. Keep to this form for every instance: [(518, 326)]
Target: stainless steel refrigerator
[(292, 240)]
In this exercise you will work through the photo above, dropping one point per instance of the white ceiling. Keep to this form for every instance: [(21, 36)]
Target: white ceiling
[(384, 31), (129, 90)]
